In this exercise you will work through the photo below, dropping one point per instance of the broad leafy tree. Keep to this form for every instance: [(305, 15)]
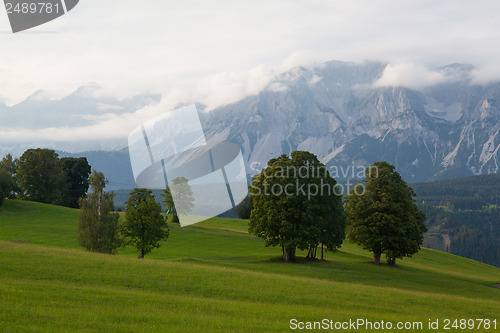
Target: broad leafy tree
[(383, 217), (168, 201), (184, 203), (6, 184), (244, 209), (145, 227), (295, 205), (9, 163), (76, 172), (98, 224), (39, 175)]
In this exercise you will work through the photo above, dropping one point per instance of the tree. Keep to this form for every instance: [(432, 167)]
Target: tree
[(295, 205), (39, 175), (383, 217), (168, 201), (8, 163), (183, 194), (97, 224), (144, 227), (244, 209), (76, 173), (6, 184)]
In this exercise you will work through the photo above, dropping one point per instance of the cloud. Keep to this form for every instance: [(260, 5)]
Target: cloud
[(418, 76), (130, 47), (211, 91), (224, 88), (107, 126), (218, 52), (410, 75), (487, 74)]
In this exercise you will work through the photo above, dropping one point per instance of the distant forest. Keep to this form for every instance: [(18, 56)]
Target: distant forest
[(463, 216)]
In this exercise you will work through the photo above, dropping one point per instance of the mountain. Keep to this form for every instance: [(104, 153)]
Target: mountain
[(82, 107), (443, 131), (86, 106), (337, 111)]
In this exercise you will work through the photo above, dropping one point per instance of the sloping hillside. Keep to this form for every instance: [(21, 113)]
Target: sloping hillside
[(215, 277)]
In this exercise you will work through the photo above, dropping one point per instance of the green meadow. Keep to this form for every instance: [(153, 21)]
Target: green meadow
[(215, 277)]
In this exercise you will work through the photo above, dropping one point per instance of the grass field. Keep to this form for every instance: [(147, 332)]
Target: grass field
[(213, 276)]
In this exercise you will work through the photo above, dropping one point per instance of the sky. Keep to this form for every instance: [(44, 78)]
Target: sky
[(217, 52)]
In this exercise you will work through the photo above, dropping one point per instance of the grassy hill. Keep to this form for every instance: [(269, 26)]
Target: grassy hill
[(213, 276)]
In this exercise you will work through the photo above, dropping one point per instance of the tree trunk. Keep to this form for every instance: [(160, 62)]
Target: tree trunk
[(141, 256), (321, 251), (392, 262), (376, 257), (289, 254)]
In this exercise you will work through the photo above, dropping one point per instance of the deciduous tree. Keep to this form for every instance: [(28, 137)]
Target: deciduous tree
[(76, 172), (9, 163), (97, 224), (145, 226), (183, 194), (244, 209), (383, 217), (39, 175), (296, 205), (6, 184)]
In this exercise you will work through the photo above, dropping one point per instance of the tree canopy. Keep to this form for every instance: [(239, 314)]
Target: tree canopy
[(10, 187), (383, 216), (6, 184), (296, 205), (76, 172), (244, 209), (183, 194), (144, 224), (43, 177), (39, 175), (97, 224)]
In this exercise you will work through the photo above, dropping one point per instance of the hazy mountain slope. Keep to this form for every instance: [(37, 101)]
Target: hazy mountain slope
[(443, 131), (448, 130)]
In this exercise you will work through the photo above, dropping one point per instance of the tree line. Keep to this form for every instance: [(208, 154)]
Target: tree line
[(382, 217), (98, 225), (473, 233), (145, 225), (40, 175), (461, 194), (468, 211), (293, 210)]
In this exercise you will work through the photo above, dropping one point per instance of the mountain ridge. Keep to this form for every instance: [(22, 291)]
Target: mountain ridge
[(443, 131), (339, 111)]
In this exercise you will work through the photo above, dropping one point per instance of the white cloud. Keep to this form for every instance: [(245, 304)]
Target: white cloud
[(409, 75), (315, 79), (487, 74), (107, 126), (129, 46), (224, 88), (418, 76), (217, 52)]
